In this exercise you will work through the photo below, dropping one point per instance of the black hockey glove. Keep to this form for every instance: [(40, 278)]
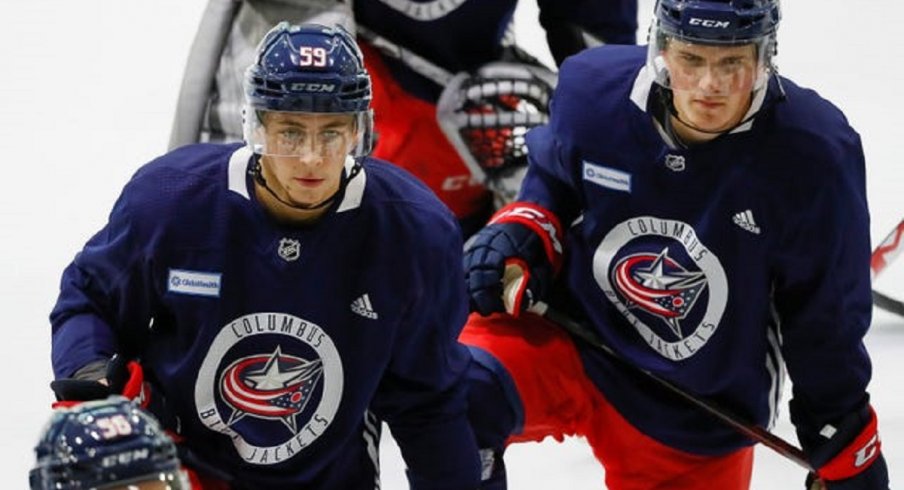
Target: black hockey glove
[(123, 377), (518, 252), (847, 455)]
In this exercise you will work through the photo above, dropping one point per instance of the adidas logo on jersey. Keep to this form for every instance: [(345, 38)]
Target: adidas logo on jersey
[(363, 307), (744, 219)]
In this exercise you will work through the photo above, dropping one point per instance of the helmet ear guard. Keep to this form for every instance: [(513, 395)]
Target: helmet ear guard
[(486, 114)]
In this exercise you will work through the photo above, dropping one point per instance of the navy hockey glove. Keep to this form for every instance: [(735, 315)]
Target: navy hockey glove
[(123, 377), (847, 456), (519, 251)]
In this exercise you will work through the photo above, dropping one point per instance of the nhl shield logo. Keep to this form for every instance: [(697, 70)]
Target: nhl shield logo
[(289, 249), (675, 163)]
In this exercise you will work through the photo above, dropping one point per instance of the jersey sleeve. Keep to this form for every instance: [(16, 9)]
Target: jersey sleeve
[(550, 180), (423, 395), (102, 290), (822, 291)]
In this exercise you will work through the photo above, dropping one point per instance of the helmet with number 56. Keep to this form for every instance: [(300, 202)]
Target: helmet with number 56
[(106, 444)]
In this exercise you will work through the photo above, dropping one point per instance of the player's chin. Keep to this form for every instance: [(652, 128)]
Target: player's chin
[(711, 124)]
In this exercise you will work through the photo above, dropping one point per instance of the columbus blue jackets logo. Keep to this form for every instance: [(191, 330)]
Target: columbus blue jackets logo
[(275, 386), (272, 382), (664, 281), (659, 285)]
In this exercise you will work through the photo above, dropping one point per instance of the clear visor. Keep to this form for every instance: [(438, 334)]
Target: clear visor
[(711, 68), (306, 134), (166, 480)]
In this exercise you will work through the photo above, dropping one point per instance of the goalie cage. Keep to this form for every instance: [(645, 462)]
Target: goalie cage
[(890, 248)]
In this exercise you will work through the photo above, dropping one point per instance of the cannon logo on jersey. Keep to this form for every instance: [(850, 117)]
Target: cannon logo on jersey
[(272, 382), (664, 281)]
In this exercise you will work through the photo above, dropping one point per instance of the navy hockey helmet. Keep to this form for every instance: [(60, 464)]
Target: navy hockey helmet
[(308, 68), (715, 23), (105, 444), (718, 22)]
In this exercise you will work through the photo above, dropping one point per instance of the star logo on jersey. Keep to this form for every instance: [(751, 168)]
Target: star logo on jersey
[(264, 373), (273, 386), (660, 286), (669, 287)]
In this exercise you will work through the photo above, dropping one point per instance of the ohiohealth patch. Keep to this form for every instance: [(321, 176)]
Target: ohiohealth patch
[(194, 282), (607, 177)]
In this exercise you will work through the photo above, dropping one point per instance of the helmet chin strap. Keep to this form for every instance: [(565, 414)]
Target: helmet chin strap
[(258, 175)]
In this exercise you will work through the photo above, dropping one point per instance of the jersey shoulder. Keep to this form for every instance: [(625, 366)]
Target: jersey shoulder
[(183, 171), (400, 198), (592, 110), (599, 76), (811, 136), (181, 184)]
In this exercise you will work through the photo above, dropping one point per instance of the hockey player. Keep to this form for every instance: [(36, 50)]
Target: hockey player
[(410, 45), (279, 297), (412, 50), (106, 444), (707, 219)]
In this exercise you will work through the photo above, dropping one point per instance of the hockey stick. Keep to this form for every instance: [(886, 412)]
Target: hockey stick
[(888, 303), (513, 281), (735, 421), (890, 248), (200, 70), (420, 65)]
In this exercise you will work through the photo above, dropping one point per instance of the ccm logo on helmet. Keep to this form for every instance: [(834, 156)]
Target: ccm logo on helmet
[(313, 87), (125, 457), (717, 24)]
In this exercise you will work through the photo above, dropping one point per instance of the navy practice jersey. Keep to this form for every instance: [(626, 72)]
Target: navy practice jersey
[(275, 346), (462, 35), (715, 265)]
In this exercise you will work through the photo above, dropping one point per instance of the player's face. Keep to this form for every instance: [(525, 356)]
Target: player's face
[(712, 86), (306, 154)]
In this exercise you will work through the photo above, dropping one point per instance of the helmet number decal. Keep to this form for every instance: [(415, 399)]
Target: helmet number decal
[(312, 56), (114, 426)]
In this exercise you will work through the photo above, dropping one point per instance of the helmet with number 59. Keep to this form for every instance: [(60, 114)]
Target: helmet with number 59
[(307, 68)]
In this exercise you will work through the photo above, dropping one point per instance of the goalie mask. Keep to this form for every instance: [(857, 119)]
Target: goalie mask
[(486, 114), (105, 444)]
